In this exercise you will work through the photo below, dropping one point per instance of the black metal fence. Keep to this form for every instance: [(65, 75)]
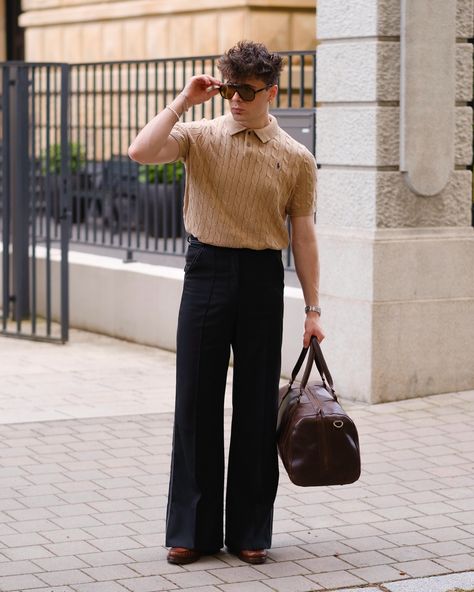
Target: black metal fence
[(118, 203), (34, 200), (66, 175)]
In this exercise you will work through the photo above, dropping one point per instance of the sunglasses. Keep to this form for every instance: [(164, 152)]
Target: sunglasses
[(245, 92)]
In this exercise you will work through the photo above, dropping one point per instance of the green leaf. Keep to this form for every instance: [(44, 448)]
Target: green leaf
[(160, 173)]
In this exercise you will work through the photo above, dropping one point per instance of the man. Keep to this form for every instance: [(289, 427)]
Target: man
[(244, 177)]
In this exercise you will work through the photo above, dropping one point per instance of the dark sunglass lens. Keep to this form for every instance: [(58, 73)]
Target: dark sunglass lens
[(246, 92), (222, 90), (226, 91)]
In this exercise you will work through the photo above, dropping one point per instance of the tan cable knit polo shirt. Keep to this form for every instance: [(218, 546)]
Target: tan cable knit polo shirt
[(241, 184)]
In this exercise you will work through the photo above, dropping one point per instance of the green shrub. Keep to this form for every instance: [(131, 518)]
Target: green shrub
[(77, 159), (160, 173)]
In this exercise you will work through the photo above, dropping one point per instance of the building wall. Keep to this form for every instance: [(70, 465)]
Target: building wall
[(3, 37), (82, 30)]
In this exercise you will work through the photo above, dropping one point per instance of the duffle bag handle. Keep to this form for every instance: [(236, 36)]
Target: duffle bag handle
[(316, 356)]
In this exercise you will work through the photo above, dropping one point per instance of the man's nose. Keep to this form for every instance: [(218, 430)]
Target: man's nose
[(236, 97)]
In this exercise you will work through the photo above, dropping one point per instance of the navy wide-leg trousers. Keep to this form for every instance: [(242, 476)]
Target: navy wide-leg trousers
[(232, 298)]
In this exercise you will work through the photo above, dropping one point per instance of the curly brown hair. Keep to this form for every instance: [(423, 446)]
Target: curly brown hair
[(248, 59)]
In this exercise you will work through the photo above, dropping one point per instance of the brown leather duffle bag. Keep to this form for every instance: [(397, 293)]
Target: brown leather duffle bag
[(317, 441)]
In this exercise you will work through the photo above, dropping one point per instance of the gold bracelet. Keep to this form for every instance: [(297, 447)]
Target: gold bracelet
[(173, 111)]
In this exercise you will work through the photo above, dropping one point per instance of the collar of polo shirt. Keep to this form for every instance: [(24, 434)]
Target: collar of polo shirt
[(264, 134)]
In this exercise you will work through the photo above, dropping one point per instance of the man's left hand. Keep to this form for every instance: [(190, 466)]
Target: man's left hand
[(312, 326)]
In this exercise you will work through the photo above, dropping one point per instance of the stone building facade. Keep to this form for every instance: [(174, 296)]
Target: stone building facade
[(397, 282), (87, 31)]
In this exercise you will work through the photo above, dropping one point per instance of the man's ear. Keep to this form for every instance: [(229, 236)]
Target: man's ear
[(272, 92)]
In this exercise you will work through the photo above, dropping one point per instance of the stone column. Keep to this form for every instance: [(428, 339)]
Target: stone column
[(397, 267)]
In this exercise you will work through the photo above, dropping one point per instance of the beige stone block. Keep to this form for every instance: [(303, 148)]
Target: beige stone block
[(388, 71), (346, 19), (354, 198), (401, 304), (347, 198), (52, 44), (133, 39), (346, 262), (65, 3), (364, 136), (348, 344), (463, 132), (111, 49), (348, 354), (181, 36), (350, 72), (34, 45), (270, 27), (206, 39), (303, 31), (72, 43), (39, 4), (464, 72), (397, 206), (369, 136), (465, 18), (157, 37), (91, 41), (231, 28), (422, 348), (91, 11), (423, 264)]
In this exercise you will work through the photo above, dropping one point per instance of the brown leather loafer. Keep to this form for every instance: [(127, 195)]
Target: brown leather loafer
[(181, 555), (254, 556)]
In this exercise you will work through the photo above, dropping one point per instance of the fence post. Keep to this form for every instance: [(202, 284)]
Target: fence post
[(65, 202), (18, 146)]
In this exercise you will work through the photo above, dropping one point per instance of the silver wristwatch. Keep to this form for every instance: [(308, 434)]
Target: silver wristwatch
[(311, 308)]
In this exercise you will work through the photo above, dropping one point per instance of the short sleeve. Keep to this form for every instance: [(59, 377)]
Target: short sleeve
[(185, 134), (303, 196)]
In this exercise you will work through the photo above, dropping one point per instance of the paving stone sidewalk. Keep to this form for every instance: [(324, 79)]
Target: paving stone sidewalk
[(85, 441)]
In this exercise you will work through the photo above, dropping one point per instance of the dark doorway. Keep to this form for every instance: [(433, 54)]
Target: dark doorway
[(15, 34)]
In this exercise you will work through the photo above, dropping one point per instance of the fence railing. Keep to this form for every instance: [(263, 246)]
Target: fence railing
[(115, 202), (34, 200)]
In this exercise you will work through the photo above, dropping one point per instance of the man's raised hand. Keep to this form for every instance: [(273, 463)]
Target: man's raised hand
[(200, 89)]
